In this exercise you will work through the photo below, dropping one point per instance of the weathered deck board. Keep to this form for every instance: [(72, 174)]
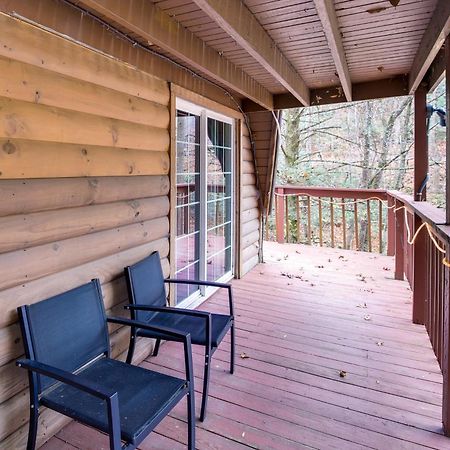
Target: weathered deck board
[(337, 310)]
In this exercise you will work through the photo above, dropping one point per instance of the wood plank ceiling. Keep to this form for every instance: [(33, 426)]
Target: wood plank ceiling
[(317, 43)]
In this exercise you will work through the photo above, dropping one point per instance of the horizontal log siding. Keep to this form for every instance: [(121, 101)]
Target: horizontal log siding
[(84, 185), (250, 215), (263, 130)]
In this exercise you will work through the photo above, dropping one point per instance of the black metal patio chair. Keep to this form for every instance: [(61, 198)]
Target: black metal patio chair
[(70, 370), (146, 290)]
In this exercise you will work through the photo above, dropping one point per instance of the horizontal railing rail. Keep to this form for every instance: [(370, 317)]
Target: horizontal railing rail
[(335, 217)]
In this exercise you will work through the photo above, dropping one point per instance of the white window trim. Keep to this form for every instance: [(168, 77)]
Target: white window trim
[(198, 297)]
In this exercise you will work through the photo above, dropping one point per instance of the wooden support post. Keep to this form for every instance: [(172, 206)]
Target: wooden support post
[(447, 159), (391, 232), (279, 215), (399, 242), (419, 285), (420, 143), (445, 365)]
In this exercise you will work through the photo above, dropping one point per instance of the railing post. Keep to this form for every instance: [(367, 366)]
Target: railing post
[(391, 232), (279, 216), (419, 284), (420, 143), (446, 298), (399, 244), (445, 364)]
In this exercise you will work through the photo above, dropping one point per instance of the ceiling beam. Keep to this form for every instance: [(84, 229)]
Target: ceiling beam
[(151, 24), (431, 43), (327, 14), (239, 22), (436, 72), (368, 90)]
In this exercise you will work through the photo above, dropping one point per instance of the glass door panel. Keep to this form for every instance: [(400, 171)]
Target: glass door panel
[(204, 209), (188, 254), (219, 199)]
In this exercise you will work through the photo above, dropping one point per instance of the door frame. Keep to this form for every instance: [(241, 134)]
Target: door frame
[(196, 104)]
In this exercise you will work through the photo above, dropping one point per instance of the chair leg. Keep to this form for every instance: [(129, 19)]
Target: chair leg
[(131, 347), (205, 383), (232, 349), (191, 420), (156, 349), (32, 430)]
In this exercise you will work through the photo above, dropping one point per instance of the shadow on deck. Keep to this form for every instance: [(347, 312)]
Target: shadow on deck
[(327, 357)]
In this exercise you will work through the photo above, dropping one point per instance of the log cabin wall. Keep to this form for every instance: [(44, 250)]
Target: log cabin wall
[(258, 165), (250, 224), (84, 186), (264, 132)]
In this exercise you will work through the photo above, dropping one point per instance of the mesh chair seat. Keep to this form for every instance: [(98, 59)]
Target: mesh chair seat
[(220, 324), (143, 395)]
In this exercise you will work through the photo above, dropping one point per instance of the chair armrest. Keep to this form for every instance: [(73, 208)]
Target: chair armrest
[(169, 334), (65, 377), (110, 397), (170, 310), (199, 282), (207, 283)]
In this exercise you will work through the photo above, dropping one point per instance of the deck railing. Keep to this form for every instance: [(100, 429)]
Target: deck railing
[(414, 231), (346, 218), (425, 266)]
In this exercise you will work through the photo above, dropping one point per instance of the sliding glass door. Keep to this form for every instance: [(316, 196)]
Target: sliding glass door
[(219, 199), (204, 218)]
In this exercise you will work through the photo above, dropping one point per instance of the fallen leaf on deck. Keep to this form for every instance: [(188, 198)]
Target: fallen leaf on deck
[(244, 356), (312, 284), (286, 256), (342, 373), (299, 252), (376, 10), (367, 317)]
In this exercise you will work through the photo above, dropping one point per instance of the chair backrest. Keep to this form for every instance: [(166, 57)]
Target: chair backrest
[(145, 282), (66, 331)]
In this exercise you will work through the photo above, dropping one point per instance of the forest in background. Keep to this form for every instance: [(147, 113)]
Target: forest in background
[(365, 144), (360, 145)]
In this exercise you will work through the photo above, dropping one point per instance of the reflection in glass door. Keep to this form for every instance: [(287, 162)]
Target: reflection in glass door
[(219, 200), (188, 202), (204, 219)]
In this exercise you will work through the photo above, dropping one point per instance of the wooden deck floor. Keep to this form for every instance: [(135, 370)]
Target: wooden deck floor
[(303, 317)]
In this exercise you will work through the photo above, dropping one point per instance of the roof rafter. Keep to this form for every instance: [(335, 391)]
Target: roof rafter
[(431, 43), (152, 24), (239, 22), (327, 14)]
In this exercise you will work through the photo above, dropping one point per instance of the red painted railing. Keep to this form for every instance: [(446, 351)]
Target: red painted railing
[(424, 266), (423, 259), (344, 218)]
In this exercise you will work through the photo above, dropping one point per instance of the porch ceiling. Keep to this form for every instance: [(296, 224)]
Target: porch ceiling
[(377, 41), (280, 53)]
